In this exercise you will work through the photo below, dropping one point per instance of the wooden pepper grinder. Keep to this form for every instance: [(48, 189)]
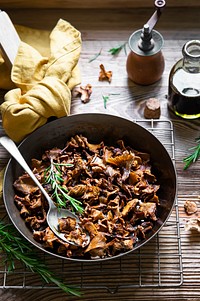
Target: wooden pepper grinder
[(145, 63)]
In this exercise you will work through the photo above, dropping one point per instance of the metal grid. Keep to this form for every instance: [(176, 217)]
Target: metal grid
[(146, 267)]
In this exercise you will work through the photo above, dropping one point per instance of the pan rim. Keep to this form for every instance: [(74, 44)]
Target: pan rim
[(38, 245)]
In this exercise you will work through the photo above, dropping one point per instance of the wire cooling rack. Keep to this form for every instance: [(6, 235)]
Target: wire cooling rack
[(156, 264)]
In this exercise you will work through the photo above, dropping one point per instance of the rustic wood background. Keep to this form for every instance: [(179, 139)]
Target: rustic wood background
[(5, 4), (104, 29)]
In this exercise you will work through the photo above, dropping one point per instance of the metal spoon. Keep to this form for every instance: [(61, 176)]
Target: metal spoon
[(53, 213)]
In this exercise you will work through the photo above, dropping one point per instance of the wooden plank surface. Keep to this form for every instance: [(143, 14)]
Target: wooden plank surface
[(5, 4), (104, 29)]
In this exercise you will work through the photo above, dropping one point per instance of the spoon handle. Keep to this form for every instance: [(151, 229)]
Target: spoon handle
[(11, 147)]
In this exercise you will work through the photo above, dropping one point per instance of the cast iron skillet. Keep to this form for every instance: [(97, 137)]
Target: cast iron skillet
[(96, 127)]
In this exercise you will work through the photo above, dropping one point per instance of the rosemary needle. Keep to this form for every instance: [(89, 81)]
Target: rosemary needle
[(193, 157), (14, 247), (107, 97), (95, 56), (116, 50)]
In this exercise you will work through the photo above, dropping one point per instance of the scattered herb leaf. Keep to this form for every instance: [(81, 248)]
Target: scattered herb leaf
[(193, 157), (95, 56), (53, 176), (116, 50), (107, 97), (14, 247)]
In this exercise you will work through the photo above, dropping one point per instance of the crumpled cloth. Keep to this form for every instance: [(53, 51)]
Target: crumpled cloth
[(42, 83)]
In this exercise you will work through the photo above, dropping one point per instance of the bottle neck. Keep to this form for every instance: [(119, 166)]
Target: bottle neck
[(191, 56)]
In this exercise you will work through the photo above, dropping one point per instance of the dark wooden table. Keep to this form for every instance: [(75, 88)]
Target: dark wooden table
[(171, 263)]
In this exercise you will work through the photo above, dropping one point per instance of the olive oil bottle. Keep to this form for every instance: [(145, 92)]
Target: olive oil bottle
[(184, 82)]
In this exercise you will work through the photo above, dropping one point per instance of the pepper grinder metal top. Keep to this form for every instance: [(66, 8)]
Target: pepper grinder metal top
[(145, 62)]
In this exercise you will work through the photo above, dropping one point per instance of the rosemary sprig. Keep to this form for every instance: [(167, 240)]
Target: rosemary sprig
[(106, 98), (95, 56), (193, 157), (117, 49), (14, 247), (53, 176)]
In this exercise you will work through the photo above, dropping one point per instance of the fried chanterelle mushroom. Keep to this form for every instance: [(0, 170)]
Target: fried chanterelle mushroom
[(105, 75), (85, 92), (113, 184), (193, 224), (190, 207)]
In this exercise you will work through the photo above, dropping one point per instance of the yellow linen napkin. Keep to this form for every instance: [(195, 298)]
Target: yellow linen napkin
[(44, 83)]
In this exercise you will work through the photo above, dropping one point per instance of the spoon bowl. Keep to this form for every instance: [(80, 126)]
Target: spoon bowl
[(54, 213)]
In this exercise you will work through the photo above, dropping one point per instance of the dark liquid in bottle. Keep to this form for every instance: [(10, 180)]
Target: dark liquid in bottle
[(187, 104)]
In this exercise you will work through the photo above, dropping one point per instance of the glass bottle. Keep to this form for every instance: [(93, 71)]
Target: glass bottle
[(184, 82)]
